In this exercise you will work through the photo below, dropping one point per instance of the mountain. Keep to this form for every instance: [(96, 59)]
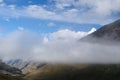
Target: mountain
[(25, 66), (38, 71), (55, 72), (106, 33), (9, 73), (6, 69), (111, 30), (76, 72)]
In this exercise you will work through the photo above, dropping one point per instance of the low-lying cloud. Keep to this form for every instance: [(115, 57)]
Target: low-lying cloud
[(57, 48)]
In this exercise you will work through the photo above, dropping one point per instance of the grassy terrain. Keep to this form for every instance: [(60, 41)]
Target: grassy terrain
[(78, 72), (9, 77)]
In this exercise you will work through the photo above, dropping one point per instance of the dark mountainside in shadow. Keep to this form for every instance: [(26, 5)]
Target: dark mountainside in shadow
[(107, 33), (111, 31)]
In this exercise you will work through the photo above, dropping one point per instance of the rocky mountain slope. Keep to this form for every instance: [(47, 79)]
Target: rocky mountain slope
[(6, 69), (10, 73), (25, 66), (109, 32)]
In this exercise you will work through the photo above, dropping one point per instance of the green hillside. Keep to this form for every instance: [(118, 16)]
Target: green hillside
[(76, 72)]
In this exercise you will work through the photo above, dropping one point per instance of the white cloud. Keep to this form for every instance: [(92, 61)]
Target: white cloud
[(61, 4), (17, 44), (69, 35), (101, 8), (24, 44), (38, 12), (87, 11), (51, 24), (2, 3), (20, 28), (92, 30), (21, 44), (77, 52), (66, 35), (12, 7), (45, 40)]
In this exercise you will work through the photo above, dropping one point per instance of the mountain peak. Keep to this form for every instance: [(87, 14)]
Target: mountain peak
[(107, 32), (92, 30)]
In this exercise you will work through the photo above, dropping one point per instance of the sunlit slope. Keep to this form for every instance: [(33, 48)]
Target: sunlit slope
[(56, 71), (76, 72)]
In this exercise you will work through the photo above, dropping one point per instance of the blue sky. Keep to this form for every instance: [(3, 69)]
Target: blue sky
[(47, 16)]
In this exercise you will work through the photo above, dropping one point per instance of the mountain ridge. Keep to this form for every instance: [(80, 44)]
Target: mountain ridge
[(107, 33)]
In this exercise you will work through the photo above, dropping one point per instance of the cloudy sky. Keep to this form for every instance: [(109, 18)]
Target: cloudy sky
[(27, 25), (45, 16)]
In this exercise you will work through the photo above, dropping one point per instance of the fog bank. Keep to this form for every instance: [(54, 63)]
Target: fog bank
[(57, 48)]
